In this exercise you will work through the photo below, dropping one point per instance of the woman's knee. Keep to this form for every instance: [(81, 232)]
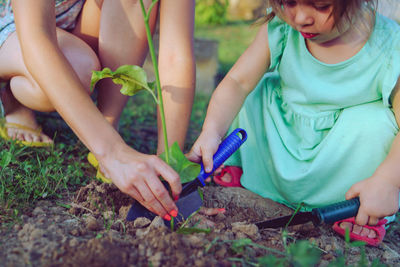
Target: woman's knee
[(81, 57)]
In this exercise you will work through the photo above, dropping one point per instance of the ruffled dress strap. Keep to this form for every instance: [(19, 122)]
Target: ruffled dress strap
[(277, 37)]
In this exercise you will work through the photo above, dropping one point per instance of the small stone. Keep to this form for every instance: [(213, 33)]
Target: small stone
[(91, 223), (157, 222), (141, 222), (74, 232), (251, 230), (17, 227), (37, 211), (73, 211), (142, 232), (156, 259), (328, 248), (36, 234), (73, 242), (220, 254)]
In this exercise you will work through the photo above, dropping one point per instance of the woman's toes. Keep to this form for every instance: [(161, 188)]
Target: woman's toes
[(357, 229)]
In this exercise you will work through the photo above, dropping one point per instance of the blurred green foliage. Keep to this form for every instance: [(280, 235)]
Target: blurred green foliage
[(211, 12)]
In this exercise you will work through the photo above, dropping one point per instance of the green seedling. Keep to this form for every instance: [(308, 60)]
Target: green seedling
[(134, 80)]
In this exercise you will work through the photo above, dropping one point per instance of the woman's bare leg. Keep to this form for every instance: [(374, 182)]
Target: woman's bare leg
[(24, 94), (121, 40)]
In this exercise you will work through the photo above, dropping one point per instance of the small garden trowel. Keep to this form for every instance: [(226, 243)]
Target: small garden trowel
[(327, 214), (190, 199)]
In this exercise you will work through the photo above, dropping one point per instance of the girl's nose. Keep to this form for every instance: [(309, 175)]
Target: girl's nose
[(303, 16)]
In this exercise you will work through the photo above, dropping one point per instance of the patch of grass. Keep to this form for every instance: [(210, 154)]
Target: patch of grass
[(30, 174), (233, 39)]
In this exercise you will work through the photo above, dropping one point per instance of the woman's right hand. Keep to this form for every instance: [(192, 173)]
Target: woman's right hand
[(137, 175)]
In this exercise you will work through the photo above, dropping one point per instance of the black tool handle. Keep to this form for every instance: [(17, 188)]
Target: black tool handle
[(227, 147), (337, 211)]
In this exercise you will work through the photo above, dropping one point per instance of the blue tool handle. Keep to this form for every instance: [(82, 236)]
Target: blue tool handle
[(227, 147), (337, 211)]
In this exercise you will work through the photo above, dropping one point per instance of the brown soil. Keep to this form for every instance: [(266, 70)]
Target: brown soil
[(94, 232)]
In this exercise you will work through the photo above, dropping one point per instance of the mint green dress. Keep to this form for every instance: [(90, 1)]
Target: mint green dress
[(315, 129)]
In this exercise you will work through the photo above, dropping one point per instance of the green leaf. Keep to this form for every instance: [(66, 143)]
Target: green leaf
[(132, 78), (192, 230), (6, 158), (186, 169), (98, 75), (304, 254), (239, 245)]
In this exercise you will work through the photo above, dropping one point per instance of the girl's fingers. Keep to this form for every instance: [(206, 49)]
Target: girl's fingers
[(193, 155), (373, 221), (207, 156), (362, 217)]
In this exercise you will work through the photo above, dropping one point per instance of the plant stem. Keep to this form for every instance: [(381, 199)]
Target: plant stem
[(156, 73)]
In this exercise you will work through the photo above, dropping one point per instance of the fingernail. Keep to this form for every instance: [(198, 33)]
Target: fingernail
[(174, 213), (222, 210), (176, 198), (167, 217)]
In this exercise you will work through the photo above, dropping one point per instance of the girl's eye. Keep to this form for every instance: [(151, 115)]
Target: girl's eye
[(322, 7), (290, 3)]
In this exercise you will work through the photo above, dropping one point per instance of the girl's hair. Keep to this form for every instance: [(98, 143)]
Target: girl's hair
[(342, 9)]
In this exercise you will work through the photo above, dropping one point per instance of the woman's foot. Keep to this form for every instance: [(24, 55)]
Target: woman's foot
[(20, 123)]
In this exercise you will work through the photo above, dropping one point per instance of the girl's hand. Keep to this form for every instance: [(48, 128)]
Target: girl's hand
[(378, 198), (137, 175), (204, 149)]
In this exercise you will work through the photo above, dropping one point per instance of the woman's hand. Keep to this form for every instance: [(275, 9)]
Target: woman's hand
[(204, 149), (137, 175), (378, 198)]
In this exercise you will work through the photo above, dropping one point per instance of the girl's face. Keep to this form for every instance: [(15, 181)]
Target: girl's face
[(313, 19)]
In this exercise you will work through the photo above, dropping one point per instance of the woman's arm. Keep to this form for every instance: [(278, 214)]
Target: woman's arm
[(134, 173), (177, 67), (229, 96)]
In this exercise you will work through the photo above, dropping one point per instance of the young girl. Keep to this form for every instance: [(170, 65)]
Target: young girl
[(48, 50), (320, 122)]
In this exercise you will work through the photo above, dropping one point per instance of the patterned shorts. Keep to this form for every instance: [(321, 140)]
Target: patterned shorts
[(67, 12)]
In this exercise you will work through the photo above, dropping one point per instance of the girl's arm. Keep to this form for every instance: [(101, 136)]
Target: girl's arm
[(134, 173), (229, 96), (379, 194), (177, 67)]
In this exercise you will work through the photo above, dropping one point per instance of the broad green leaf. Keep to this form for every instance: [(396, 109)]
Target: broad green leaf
[(132, 78), (186, 169), (6, 158)]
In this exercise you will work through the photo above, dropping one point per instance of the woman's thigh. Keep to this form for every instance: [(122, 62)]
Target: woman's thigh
[(24, 87)]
